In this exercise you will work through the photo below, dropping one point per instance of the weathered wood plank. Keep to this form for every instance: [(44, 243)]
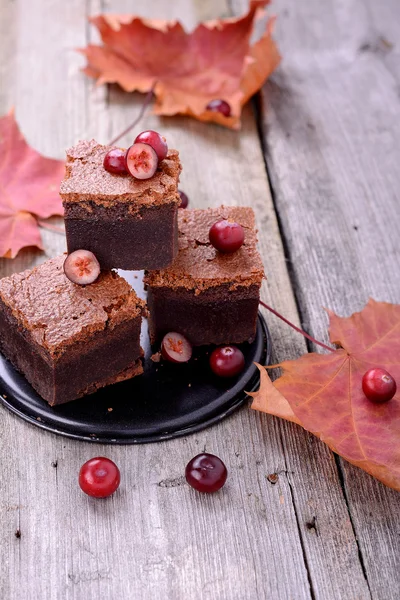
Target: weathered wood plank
[(332, 544), (156, 538), (331, 136)]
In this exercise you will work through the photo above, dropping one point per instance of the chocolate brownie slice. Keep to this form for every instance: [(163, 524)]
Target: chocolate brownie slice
[(208, 296), (126, 222), (69, 340)]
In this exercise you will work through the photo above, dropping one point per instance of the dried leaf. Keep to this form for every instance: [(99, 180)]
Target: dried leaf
[(215, 61), (325, 393), (269, 400), (29, 185)]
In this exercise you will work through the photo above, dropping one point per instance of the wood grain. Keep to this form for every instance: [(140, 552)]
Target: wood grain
[(332, 133), (156, 538)]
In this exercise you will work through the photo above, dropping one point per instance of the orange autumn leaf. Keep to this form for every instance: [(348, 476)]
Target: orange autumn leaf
[(325, 393), (29, 185), (188, 70), (269, 400)]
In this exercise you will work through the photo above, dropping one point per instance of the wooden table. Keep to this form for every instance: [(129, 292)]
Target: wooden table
[(319, 161)]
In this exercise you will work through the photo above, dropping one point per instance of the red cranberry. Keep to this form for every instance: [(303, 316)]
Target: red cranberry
[(219, 106), (206, 473), (99, 477), (114, 161), (82, 267), (227, 361), (378, 385), (226, 236), (141, 161), (155, 140), (184, 199), (176, 348)]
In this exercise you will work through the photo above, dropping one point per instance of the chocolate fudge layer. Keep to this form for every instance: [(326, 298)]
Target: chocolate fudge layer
[(126, 222), (70, 340), (208, 296)]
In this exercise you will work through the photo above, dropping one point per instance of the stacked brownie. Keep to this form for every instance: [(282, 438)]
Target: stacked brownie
[(208, 296), (69, 340), (127, 223)]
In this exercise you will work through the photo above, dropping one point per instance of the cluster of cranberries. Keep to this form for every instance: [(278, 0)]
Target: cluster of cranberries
[(100, 477), (141, 159)]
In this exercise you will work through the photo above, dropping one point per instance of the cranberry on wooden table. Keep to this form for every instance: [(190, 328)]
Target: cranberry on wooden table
[(206, 473), (378, 385), (99, 477)]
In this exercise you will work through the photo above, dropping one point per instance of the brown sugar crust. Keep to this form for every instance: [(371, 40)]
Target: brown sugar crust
[(57, 313), (86, 180), (199, 266)]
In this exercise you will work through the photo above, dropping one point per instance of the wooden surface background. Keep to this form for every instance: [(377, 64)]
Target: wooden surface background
[(319, 162)]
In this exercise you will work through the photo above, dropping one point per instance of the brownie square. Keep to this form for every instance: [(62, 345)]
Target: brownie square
[(126, 222), (208, 296), (69, 340)]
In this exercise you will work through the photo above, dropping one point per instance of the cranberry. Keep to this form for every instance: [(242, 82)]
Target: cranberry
[(206, 473), (184, 199), (99, 477), (378, 385), (226, 236), (227, 361), (82, 267), (141, 161), (155, 140), (219, 106), (176, 348), (114, 161)]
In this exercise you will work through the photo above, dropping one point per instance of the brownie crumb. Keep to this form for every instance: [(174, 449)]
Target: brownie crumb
[(156, 357)]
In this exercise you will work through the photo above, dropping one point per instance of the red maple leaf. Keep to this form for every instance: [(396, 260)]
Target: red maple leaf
[(29, 185), (188, 70), (323, 392)]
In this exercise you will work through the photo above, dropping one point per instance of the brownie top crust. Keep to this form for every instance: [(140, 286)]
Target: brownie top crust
[(86, 179), (57, 313), (199, 266)]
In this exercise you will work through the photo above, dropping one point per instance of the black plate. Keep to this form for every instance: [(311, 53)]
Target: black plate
[(166, 401)]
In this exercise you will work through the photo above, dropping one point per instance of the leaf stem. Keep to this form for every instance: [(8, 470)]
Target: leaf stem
[(51, 227), (306, 335), (145, 104)]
